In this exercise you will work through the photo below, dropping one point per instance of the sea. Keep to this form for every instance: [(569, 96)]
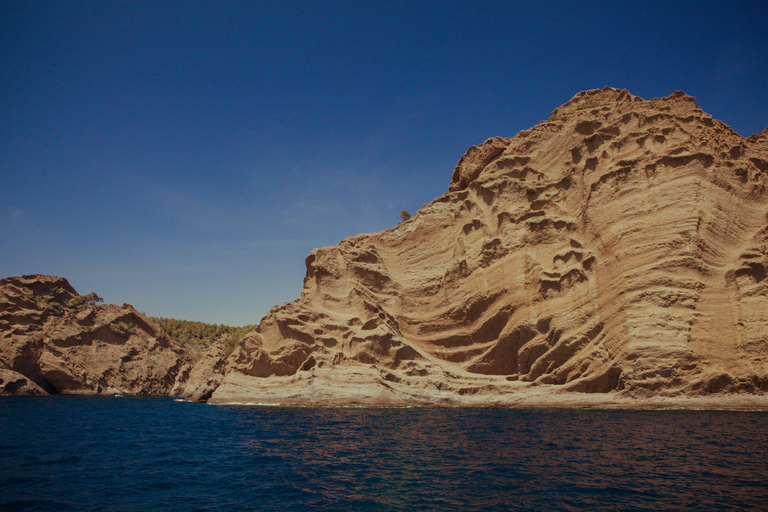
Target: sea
[(141, 454)]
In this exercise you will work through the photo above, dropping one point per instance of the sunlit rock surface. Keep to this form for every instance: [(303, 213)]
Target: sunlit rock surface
[(52, 340), (619, 247)]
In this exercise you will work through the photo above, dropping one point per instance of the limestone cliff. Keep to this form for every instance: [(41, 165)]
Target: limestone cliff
[(619, 246), (53, 340)]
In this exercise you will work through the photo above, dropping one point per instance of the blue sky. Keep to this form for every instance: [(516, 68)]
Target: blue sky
[(185, 157)]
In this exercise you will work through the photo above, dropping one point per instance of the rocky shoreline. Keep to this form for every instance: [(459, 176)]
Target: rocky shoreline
[(612, 256)]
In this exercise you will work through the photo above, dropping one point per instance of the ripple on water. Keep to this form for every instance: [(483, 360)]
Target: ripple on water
[(94, 453)]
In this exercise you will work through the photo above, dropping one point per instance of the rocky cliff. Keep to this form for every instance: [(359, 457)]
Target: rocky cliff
[(615, 253), (618, 247), (53, 340)]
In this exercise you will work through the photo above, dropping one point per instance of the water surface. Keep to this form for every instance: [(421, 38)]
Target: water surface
[(138, 454)]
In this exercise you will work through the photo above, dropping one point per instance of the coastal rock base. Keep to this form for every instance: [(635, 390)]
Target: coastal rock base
[(373, 387)]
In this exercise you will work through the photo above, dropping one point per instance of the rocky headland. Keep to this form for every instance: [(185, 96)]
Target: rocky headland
[(55, 341), (613, 255)]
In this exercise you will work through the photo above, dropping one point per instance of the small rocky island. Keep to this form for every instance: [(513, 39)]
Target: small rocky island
[(613, 255)]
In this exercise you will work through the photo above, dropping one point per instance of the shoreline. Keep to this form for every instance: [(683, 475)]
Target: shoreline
[(530, 401), (673, 404), (365, 387)]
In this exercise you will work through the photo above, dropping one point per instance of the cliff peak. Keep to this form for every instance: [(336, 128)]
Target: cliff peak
[(597, 112)]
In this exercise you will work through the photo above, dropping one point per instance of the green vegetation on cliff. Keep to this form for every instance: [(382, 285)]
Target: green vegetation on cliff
[(197, 337)]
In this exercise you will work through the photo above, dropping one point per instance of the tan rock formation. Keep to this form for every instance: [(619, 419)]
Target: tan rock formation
[(53, 340), (619, 246), (206, 375), (14, 383)]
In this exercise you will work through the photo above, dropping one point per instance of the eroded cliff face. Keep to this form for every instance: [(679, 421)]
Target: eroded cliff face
[(52, 340), (621, 245)]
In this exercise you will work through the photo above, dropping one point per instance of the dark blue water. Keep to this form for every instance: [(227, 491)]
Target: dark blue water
[(138, 454)]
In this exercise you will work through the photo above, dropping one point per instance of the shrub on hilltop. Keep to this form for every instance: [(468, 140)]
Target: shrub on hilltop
[(197, 337)]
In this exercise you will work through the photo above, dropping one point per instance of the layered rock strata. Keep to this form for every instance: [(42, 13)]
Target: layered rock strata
[(206, 374), (619, 246), (53, 340)]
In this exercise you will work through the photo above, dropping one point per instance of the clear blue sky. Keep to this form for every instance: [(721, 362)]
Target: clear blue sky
[(185, 157)]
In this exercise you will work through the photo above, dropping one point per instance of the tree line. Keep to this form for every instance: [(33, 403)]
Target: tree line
[(199, 335)]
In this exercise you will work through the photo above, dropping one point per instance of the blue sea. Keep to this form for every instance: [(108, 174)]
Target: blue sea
[(139, 454)]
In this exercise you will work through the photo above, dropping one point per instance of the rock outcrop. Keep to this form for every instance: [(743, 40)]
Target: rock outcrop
[(206, 374), (620, 246), (53, 340)]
